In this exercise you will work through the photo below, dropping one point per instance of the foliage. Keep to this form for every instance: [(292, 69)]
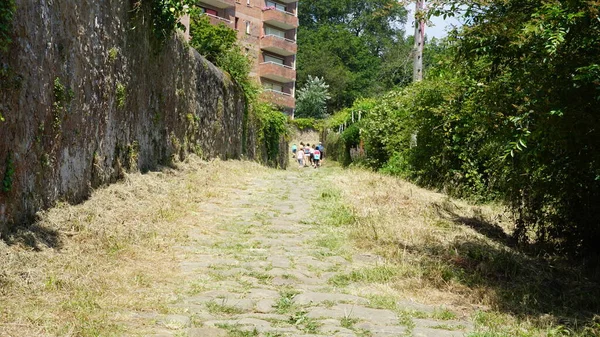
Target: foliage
[(218, 43), (7, 12), (165, 16), (121, 95), (345, 42), (272, 129), (312, 98), (9, 172), (307, 123), (212, 41), (509, 114)]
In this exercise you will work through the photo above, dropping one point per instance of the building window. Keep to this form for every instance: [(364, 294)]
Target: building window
[(248, 2), (274, 31), (273, 59), (277, 5), (237, 22), (272, 86), (247, 27)]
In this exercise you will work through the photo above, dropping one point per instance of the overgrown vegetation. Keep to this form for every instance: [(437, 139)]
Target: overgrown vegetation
[(165, 16), (62, 98), (439, 250), (82, 270), (346, 43), (121, 95), (308, 124), (218, 43), (9, 172), (272, 130), (508, 114), (7, 12)]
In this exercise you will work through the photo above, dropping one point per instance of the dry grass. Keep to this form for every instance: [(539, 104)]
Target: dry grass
[(84, 270), (449, 253)]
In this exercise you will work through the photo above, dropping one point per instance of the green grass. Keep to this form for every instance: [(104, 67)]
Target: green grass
[(236, 331), (285, 302), (222, 308), (379, 274), (263, 278), (448, 327), (304, 323), (443, 314), (348, 322), (383, 302)]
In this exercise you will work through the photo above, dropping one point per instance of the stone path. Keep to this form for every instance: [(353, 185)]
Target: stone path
[(257, 272)]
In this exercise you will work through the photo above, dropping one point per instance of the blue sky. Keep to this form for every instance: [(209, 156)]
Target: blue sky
[(439, 28)]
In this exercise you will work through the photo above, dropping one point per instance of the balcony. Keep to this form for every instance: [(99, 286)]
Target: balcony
[(216, 20), (278, 45), (277, 72), (279, 18), (279, 98), (222, 4)]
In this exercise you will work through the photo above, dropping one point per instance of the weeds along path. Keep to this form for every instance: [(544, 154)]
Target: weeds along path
[(267, 259), (222, 249)]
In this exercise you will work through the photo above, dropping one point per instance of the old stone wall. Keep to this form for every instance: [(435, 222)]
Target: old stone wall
[(87, 92)]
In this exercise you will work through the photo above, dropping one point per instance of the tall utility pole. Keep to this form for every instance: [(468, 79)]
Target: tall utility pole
[(419, 41)]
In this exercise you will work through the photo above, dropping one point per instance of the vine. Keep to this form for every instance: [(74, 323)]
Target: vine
[(272, 127), (8, 174), (7, 11)]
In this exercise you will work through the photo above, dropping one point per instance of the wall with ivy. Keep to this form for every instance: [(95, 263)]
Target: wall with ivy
[(89, 90)]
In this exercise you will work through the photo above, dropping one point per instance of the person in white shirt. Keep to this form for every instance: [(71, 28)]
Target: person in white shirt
[(300, 158)]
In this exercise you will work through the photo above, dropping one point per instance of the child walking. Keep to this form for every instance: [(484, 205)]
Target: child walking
[(300, 158), (316, 158)]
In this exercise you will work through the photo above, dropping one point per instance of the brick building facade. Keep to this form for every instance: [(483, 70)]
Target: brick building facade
[(267, 30)]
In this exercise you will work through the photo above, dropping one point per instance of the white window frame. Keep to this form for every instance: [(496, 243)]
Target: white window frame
[(277, 5)]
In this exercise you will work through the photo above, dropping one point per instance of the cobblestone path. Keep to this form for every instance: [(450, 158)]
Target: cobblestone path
[(256, 271)]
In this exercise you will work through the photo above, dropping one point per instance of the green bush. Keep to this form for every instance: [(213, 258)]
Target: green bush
[(165, 16), (272, 129), (307, 124), (511, 116), (218, 43), (212, 41)]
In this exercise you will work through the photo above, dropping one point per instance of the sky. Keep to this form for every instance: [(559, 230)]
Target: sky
[(439, 28)]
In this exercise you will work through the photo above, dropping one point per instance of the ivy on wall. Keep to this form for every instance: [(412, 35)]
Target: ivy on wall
[(7, 11)]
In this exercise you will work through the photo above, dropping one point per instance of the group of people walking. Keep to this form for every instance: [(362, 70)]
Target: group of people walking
[(307, 155)]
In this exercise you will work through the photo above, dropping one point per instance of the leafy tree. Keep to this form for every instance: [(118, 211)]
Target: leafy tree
[(345, 42), (218, 43), (166, 15), (212, 41), (312, 99), (510, 113)]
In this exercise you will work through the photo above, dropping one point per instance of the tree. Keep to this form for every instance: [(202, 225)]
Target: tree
[(510, 113), (218, 43), (312, 99), (345, 42)]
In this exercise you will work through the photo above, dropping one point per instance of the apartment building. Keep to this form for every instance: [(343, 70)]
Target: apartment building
[(267, 30)]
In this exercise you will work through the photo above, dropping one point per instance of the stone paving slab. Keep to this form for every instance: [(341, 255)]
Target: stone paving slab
[(260, 270)]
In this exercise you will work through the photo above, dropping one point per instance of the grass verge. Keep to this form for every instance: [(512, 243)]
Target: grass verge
[(449, 253), (85, 270)]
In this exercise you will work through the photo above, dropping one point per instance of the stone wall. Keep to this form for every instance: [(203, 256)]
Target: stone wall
[(87, 92)]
